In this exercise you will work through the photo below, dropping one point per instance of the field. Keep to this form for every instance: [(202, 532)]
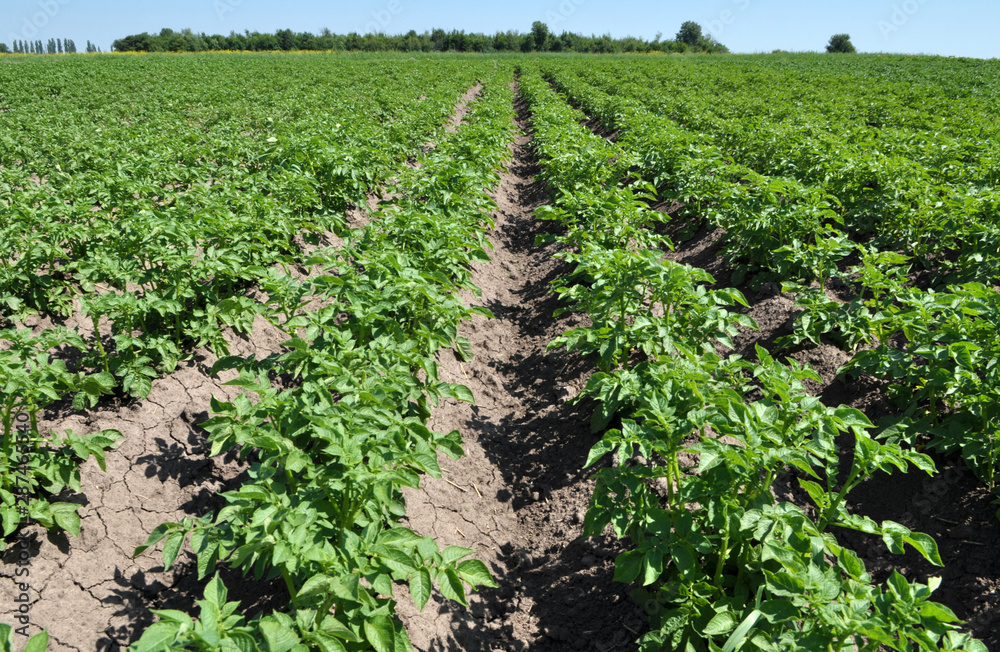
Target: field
[(341, 352)]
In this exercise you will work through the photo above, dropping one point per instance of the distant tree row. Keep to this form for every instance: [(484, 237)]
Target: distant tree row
[(54, 46), (539, 39)]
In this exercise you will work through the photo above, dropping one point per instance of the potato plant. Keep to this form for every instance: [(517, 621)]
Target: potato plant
[(720, 564), (153, 218), (801, 228), (330, 455)]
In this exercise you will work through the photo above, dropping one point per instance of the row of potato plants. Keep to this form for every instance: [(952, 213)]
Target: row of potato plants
[(158, 239), (331, 446), (936, 350), (156, 235), (721, 564), (913, 172)]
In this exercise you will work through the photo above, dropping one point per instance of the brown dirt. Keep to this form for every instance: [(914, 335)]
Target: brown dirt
[(519, 496), (88, 592), (462, 108)]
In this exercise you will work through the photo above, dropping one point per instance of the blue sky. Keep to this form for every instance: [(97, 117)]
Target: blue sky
[(953, 28)]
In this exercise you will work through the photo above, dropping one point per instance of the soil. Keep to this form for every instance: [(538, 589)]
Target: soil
[(519, 496), (462, 108), (88, 592)]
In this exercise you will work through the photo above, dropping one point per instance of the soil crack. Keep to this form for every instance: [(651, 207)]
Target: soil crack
[(525, 449)]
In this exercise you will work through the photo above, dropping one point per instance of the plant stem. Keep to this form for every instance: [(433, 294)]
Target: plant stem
[(822, 525), (288, 582), (724, 551), (7, 427), (100, 344)]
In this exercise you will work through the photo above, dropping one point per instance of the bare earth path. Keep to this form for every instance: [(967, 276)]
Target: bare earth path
[(518, 497)]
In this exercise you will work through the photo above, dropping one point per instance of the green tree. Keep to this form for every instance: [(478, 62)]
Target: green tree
[(286, 39), (690, 34), (840, 44), (540, 35)]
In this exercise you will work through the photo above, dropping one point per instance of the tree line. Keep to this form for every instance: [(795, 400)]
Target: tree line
[(690, 38), (53, 46)]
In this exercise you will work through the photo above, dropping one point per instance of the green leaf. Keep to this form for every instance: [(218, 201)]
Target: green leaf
[(420, 587), (172, 547), (464, 349), (38, 643), (95, 386), (818, 495), (173, 616), (382, 584), (67, 519), (278, 637), (898, 585), (399, 536), (683, 559), (316, 585), (475, 573), (296, 461), (452, 587), (974, 645), (155, 537), (463, 393), (379, 632), (454, 553), (723, 623), (937, 612), (336, 628), (215, 592), (628, 565), (207, 559), (739, 637), (599, 450), (6, 638), (851, 563), (926, 546), (158, 637), (921, 461), (652, 566), (777, 611), (328, 643), (784, 584)]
